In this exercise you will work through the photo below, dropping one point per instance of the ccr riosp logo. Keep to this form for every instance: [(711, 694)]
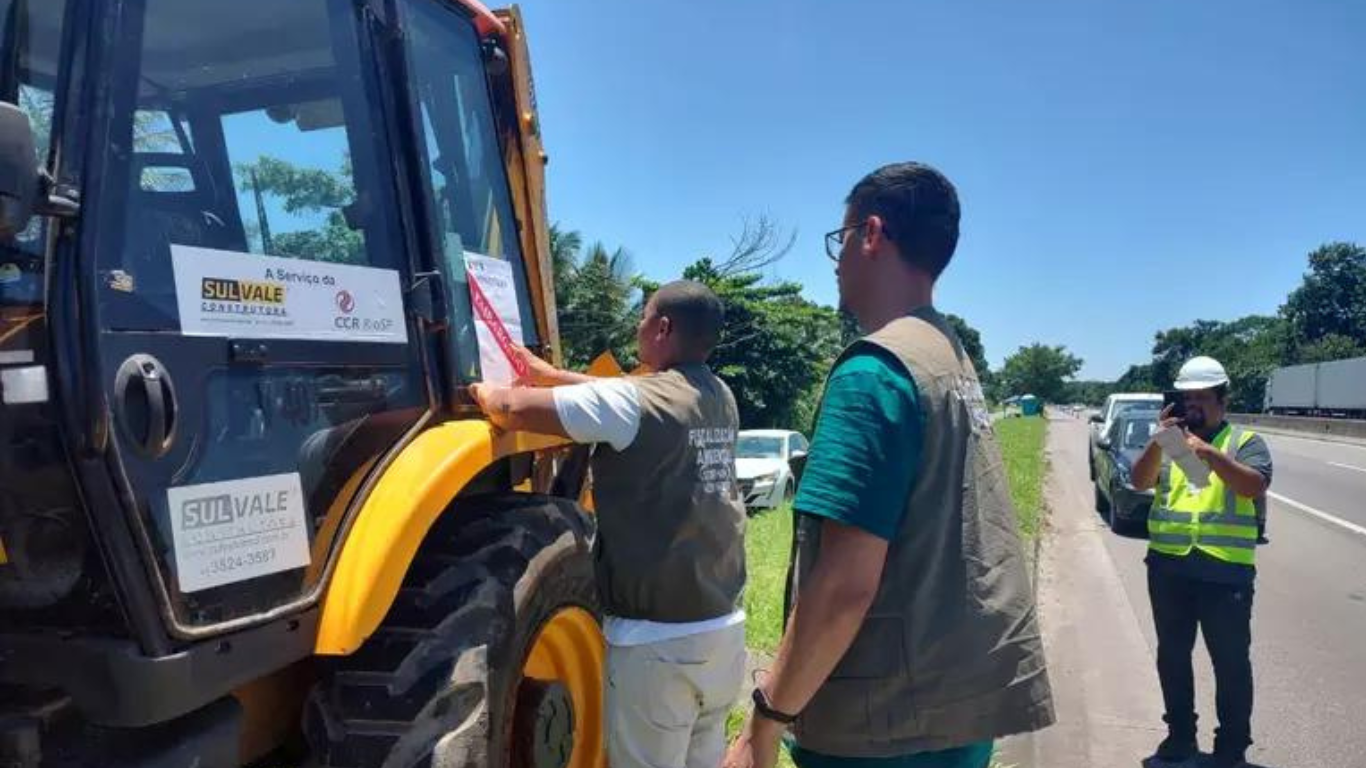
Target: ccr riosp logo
[(346, 303)]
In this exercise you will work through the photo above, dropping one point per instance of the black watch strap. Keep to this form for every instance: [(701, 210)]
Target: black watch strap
[(763, 709)]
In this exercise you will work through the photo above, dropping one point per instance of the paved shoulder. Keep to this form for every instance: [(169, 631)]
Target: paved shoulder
[(1104, 682)]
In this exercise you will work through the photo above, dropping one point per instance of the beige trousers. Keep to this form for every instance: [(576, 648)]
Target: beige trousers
[(667, 702)]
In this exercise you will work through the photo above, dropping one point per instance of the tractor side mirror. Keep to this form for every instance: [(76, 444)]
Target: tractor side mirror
[(19, 173), (1096, 418)]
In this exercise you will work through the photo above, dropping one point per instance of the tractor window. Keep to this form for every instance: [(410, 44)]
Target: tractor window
[(463, 174), (295, 182), (251, 132), (155, 131), (30, 35)]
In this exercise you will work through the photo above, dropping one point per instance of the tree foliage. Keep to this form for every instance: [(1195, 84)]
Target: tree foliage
[(1138, 378), (1089, 392), (597, 296), (775, 349), (316, 196), (1331, 347), (1040, 370), (972, 344), (1331, 301)]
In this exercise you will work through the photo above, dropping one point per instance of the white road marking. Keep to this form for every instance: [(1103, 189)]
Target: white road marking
[(1346, 466), (1324, 516)]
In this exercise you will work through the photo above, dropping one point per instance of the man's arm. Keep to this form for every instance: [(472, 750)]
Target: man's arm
[(1245, 481), (523, 409), (827, 615), (542, 374), (863, 463), (1149, 465), (599, 411), (1147, 468)]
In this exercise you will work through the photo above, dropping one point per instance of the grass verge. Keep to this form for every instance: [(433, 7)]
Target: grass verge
[(1022, 442), (768, 547)]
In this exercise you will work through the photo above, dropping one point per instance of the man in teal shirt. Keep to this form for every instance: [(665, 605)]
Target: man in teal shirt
[(865, 457), (911, 641)]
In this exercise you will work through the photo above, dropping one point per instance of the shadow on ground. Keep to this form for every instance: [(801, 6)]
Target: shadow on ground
[(1134, 530), (1195, 762)]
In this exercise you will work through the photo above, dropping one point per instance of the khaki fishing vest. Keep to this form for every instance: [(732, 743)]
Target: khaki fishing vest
[(950, 653), (670, 544)]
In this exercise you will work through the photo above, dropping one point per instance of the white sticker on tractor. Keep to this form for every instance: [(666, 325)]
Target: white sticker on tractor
[(497, 317), (247, 296), (237, 530)]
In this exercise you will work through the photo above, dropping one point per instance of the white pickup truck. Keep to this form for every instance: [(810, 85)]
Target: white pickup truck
[(1114, 405)]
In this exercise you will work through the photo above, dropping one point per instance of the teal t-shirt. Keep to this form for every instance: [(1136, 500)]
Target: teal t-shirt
[(864, 459), (865, 454)]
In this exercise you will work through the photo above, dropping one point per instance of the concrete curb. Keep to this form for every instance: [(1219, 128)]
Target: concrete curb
[(1343, 430), (1322, 438)]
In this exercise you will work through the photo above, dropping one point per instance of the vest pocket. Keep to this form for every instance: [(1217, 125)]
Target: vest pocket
[(878, 651), (840, 710)]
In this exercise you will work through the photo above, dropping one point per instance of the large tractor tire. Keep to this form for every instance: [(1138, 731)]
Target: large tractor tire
[(491, 655)]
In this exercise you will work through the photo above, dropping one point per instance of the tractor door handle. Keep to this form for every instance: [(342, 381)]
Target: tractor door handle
[(145, 405)]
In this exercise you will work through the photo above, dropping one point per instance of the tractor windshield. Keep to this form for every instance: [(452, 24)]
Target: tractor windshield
[(247, 128)]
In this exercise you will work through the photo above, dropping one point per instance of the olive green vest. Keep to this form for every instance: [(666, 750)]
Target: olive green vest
[(670, 544), (1214, 519), (950, 653)]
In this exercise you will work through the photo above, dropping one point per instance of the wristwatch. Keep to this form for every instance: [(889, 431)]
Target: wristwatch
[(764, 710)]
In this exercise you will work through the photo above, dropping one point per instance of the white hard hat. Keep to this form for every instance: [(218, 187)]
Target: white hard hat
[(1201, 373)]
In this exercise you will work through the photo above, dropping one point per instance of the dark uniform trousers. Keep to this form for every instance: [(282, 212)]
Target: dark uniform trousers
[(1223, 613)]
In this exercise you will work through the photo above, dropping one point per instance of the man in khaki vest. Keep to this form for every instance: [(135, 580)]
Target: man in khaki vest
[(911, 641), (670, 550)]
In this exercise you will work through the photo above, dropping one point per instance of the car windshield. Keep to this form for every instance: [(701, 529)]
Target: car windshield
[(1135, 433), (1137, 406), (755, 447)]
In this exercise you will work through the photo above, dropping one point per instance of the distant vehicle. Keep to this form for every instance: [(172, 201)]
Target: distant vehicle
[(761, 466), (1114, 405), (1126, 509), (1333, 389)]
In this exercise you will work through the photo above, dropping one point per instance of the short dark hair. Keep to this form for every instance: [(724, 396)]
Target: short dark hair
[(1221, 393), (919, 208), (695, 312)]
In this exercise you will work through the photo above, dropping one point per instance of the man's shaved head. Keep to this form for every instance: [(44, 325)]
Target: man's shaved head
[(695, 317)]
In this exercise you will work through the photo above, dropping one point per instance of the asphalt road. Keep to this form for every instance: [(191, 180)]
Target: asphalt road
[(1309, 620)]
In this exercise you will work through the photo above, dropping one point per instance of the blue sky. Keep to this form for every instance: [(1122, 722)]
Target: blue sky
[(1123, 167)]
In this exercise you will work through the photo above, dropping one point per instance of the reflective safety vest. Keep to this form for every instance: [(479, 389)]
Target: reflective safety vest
[(1212, 519)]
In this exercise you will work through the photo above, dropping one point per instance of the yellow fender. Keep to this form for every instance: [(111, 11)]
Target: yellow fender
[(413, 491)]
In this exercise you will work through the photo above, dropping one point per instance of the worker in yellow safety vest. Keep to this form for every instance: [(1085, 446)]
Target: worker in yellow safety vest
[(1203, 532)]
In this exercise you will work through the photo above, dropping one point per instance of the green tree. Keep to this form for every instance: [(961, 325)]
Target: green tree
[(775, 349), (972, 344), (1331, 301), (1139, 378), (1249, 348), (1089, 392), (598, 303), (1039, 370), (307, 192), (1331, 347)]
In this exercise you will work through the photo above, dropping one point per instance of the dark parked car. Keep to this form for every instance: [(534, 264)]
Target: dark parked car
[(1125, 508)]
